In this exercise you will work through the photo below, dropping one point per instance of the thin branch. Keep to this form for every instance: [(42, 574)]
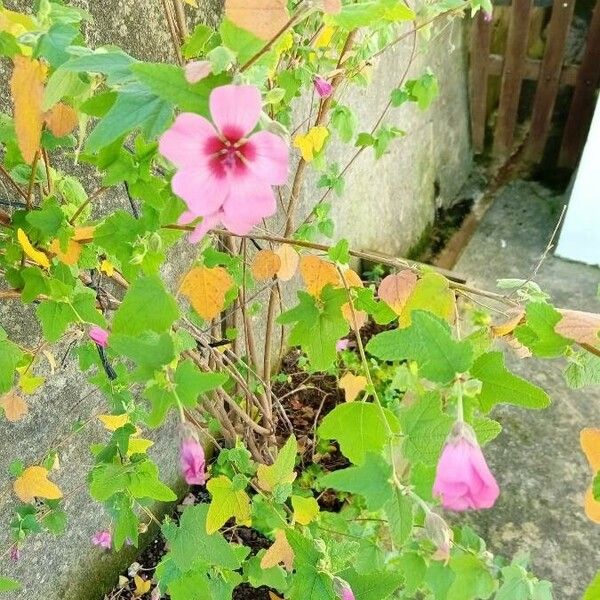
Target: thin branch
[(13, 183), (29, 198)]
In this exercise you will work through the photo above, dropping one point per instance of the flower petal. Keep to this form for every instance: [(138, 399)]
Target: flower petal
[(269, 157), (205, 226), (235, 109), (203, 193), (184, 142), (249, 201)]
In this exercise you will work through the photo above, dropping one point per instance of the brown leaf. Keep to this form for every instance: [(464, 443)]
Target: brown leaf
[(317, 273), (353, 280), (519, 349), (62, 119), (34, 483), (263, 18), (352, 385), (396, 289), (205, 288), (510, 324), (273, 596), (289, 262), (265, 265), (582, 327), (27, 89), (15, 408), (279, 552)]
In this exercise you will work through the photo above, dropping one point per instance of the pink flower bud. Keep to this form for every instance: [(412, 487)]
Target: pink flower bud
[(323, 87), (197, 70), (193, 462), (342, 589), (102, 539), (487, 16), (99, 335), (342, 344), (440, 534), (463, 480)]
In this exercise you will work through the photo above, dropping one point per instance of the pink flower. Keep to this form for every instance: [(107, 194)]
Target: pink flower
[(342, 344), (463, 480), (342, 589), (487, 16), (15, 553), (193, 462), (102, 539), (323, 87), (225, 175), (99, 335), (197, 70)]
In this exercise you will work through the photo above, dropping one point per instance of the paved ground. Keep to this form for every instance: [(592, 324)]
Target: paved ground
[(537, 459)]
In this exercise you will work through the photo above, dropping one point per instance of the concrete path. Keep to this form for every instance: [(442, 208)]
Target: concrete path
[(537, 459)]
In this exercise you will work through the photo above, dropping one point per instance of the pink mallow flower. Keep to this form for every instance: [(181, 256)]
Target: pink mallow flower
[(323, 87), (342, 344), (99, 335), (102, 539), (463, 480), (225, 174), (193, 462), (342, 589)]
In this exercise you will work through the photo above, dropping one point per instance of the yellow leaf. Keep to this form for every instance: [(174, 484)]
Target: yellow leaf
[(84, 234), (395, 290), (34, 483), (15, 408), (226, 502), (193, 3), (61, 119), (324, 39), (509, 325), (306, 510), (15, 23), (138, 446), (265, 265), (107, 267), (70, 256), (582, 327), (312, 142), (113, 422), (289, 262), (35, 255), (273, 596), (281, 472), (263, 18), (27, 89), (279, 552), (352, 385), (590, 442), (591, 506), (141, 586), (317, 273), (205, 288), (432, 293)]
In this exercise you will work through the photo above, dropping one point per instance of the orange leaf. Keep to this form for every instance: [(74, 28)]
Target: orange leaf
[(142, 586), (27, 89), (590, 442), (34, 483), (265, 265), (263, 18), (317, 273), (352, 385), (508, 326), (15, 408), (279, 552), (205, 288), (353, 280), (62, 119), (289, 262), (68, 257), (396, 289), (592, 506), (84, 234), (582, 327)]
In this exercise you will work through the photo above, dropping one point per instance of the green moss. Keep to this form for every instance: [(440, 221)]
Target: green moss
[(418, 249)]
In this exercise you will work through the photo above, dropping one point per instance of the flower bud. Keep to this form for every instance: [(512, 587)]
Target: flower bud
[(342, 589), (440, 534), (99, 335), (193, 461)]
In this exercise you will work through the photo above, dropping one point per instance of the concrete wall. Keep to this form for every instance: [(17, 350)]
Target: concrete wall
[(386, 207)]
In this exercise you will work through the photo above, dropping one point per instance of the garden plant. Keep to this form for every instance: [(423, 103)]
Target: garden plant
[(212, 154)]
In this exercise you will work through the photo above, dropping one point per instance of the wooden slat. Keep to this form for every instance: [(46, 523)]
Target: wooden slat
[(533, 67), (512, 76), (481, 36), (583, 102), (549, 79)]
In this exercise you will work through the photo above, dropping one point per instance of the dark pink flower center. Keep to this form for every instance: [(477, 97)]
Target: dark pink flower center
[(229, 153)]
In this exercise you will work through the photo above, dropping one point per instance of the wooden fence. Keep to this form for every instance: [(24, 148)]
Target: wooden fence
[(550, 72)]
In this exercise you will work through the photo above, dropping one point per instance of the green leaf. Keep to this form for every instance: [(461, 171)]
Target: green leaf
[(242, 42), (473, 580), (537, 333), (486, 429), (226, 502), (432, 294), (55, 317), (149, 350), (425, 427), (125, 521), (371, 480), (191, 382), (365, 14), (515, 585), (106, 480), (375, 585), (168, 83), (144, 483), (319, 324), (583, 370), (310, 584), (190, 544), (48, 219), (593, 590), (281, 472), (274, 577), (9, 585), (8, 45), (439, 578), (190, 586), (413, 567), (399, 513), (61, 84), (499, 385), (146, 306), (52, 45), (428, 342), (345, 122), (10, 356), (359, 427), (194, 45), (114, 64)]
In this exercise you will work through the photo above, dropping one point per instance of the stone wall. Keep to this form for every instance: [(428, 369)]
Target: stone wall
[(387, 206)]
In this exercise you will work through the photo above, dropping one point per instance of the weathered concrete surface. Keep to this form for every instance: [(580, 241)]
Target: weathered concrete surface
[(537, 459), (386, 207)]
